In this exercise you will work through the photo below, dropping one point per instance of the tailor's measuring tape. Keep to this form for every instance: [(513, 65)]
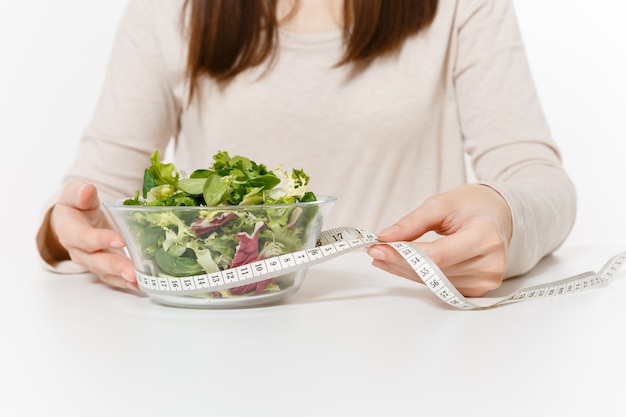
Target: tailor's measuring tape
[(334, 242)]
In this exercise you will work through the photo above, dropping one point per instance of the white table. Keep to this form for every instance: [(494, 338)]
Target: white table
[(353, 341)]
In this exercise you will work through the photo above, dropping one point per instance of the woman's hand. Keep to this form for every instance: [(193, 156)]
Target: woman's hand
[(475, 223), (83, 232)]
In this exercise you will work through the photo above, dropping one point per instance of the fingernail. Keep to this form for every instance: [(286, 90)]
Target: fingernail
[(389, 230), (376, 254), (117, 244), (127, 277)]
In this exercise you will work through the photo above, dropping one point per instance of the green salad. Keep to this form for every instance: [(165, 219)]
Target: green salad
[(242, 212)]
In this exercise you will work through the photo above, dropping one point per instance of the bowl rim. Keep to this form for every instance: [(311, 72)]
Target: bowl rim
[(119, 204)]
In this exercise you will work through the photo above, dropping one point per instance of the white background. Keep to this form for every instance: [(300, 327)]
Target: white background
[(54, 53)]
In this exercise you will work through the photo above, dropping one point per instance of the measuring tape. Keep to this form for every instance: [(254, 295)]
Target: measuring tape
[(334, 242)]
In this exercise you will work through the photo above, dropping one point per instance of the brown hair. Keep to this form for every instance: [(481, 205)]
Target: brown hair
[(227, 37)]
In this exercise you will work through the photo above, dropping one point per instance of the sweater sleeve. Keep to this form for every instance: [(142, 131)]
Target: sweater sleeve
[(505, 131), (136, 113)]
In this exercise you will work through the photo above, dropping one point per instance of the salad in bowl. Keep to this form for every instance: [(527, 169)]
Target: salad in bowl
[(232, 213)]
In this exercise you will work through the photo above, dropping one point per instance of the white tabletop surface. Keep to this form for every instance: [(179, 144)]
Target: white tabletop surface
[(352, 341)]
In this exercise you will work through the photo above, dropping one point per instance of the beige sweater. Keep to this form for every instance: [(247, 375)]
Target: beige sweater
[(381, 142)]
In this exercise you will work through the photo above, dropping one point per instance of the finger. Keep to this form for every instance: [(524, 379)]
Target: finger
[(76, 192), (110, 266), (466, 244), (80, 233), (388, 259), (456, 255), (87, 198), (431, 215), (398, 270), (475, 275), (80, 221), (118, 282), (468, 285)]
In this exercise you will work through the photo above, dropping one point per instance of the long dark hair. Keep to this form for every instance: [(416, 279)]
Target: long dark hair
[(227, 37)]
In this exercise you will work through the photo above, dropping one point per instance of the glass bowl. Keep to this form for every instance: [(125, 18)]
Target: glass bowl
[(178, 242)]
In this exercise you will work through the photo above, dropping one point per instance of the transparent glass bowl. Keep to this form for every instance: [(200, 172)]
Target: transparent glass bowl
[(183, 241)]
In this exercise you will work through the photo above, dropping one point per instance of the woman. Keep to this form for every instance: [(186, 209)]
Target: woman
[(378, 101)]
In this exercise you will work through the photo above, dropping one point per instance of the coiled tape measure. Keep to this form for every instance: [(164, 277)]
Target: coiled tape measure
[(334, 242)]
